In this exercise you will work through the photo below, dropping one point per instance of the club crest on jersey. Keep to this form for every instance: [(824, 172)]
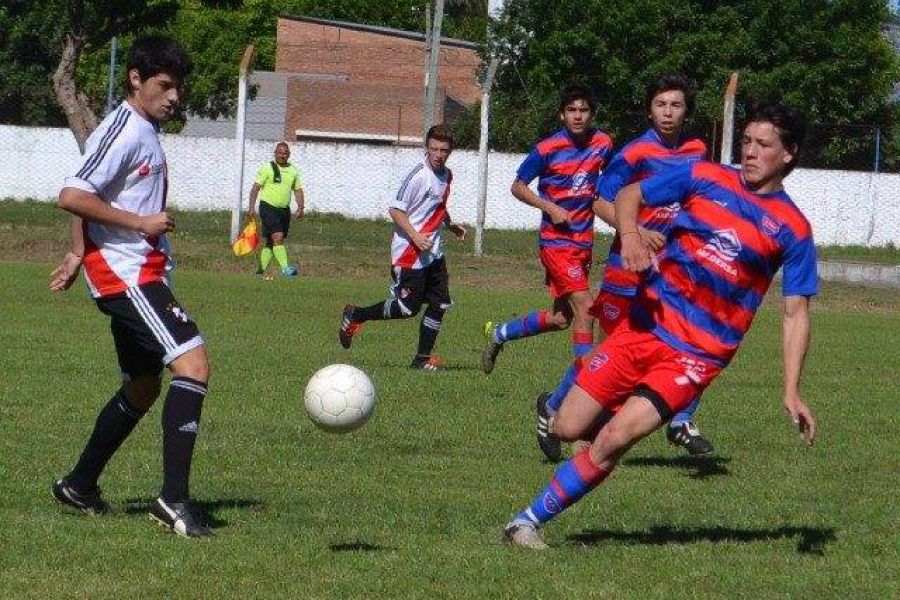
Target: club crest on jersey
[(611, 311), (404, 292), (580, 183), (575, 272), (770, 226), (721, 250), (597, 361)]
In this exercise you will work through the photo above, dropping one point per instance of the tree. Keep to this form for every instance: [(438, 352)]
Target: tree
[(59, 31), (828, 57)]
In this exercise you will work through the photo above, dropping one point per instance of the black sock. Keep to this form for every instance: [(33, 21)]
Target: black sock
[(115, 421), (389, 309), (429, 329), (180, 424)]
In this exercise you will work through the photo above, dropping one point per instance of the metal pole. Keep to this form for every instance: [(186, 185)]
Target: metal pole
[(112, 78), (483, 154), (433, 64), (239, 141), (877, 148), (728, 122), (427, 58)]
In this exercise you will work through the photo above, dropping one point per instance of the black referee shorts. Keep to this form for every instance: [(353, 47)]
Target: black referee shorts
[(149, 328), (273, 220)]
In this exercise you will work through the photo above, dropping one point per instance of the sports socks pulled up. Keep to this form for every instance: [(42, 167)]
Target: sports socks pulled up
[(575, 478), (534, 323), (180, 425)]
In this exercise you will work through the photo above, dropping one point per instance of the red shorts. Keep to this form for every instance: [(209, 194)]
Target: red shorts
[(629, 362), (610, 309), (566, 269)]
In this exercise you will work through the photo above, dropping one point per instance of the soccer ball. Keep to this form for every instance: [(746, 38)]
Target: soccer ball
[(339, 398)]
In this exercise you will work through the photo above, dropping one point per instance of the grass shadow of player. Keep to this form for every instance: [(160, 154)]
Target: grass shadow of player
[(811, 540), (358, 546), (444, 367), (701, 467), (206, 509)]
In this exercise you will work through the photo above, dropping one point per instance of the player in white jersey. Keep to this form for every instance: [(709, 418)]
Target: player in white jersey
[(418, 268), (118, 197)]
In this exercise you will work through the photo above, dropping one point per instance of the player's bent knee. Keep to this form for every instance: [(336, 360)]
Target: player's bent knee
[(142, 391), (194, 364)]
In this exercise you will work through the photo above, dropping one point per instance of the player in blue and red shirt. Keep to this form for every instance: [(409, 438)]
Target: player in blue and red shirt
[(735, 229), (669, 101), (566, 164)]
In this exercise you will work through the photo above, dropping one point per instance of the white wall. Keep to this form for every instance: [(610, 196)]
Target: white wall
[(357, 180)]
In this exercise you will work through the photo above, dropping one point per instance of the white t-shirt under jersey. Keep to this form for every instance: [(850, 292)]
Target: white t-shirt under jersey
[(125, 165), (423, 197)]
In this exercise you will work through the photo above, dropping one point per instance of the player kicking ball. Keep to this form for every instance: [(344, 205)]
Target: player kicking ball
[(735, 229), (418, 268)]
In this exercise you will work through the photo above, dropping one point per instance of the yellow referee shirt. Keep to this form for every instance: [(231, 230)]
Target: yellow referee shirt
[(277, 193)]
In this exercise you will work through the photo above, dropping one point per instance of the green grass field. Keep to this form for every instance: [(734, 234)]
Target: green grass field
[(412, 505)]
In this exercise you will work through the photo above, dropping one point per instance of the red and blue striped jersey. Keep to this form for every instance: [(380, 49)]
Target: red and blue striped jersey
[(724, 247), (567, 177), (642, 157)]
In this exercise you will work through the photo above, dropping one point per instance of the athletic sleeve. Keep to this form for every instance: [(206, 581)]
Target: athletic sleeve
[(263, 175), (670, 186), (799, 275), (410, 189), (110, 155), (533, 165), (614, 177)]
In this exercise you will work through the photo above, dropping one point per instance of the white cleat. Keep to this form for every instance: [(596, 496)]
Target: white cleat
[(524, 534)]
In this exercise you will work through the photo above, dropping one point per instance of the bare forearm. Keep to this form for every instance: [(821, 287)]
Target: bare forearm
[(606, 211), (524, 194), (627, 204), (401, 219), (795, 344), (92, 208), (300, 199), (254, 193), (76, 232)]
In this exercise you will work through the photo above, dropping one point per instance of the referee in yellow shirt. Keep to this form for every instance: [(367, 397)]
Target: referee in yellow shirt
[(275, 181)]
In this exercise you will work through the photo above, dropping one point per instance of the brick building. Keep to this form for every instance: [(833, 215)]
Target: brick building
[(361, 82)]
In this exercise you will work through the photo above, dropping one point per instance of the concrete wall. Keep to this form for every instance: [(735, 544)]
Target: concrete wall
[(357, 180)]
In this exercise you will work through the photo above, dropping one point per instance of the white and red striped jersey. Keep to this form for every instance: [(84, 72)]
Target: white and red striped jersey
[(423, 197), (125, 165)]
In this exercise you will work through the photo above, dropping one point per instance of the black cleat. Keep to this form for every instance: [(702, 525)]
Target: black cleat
[(349, 327), (90, 504), (547, 442), (491, 351), (180, 517), (687, 435)]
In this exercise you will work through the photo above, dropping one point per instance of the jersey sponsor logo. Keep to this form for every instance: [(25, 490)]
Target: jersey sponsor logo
[(575, 272), (581, 183), (597, 361), (146, 169), (611, 311), (721, 250), (770, 226), (666, 213)]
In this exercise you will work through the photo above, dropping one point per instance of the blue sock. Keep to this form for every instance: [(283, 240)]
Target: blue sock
[(582, 342), (533, 323), (575, 478), (568, 380), (685, 415)]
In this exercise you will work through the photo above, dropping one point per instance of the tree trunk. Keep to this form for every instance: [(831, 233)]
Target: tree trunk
[(82, 120)]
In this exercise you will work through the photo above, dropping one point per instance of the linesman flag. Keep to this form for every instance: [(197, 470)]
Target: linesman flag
[(248, 241)]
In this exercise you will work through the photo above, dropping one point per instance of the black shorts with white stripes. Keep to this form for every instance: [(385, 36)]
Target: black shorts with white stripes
[(149, 327)]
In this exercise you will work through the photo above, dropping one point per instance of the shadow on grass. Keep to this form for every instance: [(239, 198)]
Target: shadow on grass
[(812, 540), (358, 546), (445, 367), (206, 509), (702, 466)]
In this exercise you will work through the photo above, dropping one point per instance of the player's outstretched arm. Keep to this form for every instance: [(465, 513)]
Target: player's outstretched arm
[(795, 343)]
